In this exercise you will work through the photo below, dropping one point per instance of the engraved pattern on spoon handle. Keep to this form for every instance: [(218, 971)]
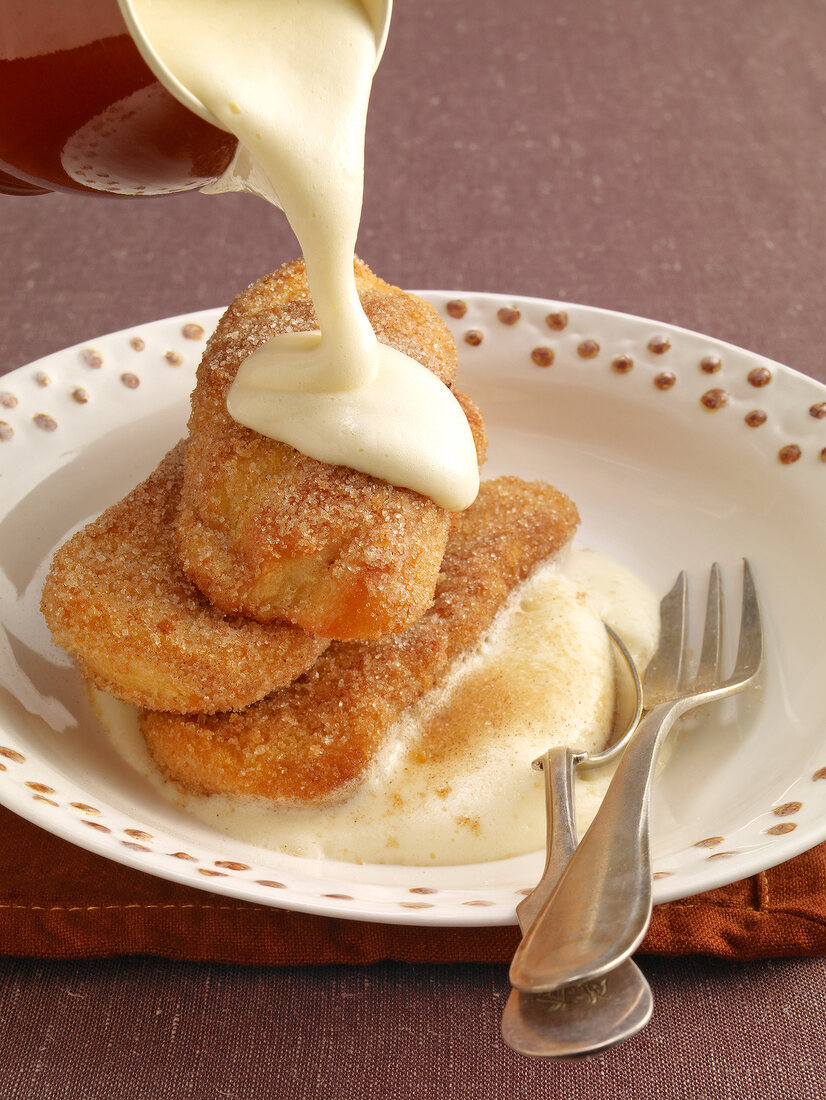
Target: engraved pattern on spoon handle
[(602, 906)]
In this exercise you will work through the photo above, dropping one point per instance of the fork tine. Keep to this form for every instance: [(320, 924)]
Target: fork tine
[(750, 646), (708, 670), (664, 672)]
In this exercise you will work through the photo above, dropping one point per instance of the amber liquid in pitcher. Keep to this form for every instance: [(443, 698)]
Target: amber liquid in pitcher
[(93, 118)]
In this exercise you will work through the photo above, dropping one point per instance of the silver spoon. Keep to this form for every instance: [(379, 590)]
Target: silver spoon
[(573, 1020)]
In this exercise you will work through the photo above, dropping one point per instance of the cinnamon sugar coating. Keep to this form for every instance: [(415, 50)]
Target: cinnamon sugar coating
[(269, 533), (311, 741), (117, 600)]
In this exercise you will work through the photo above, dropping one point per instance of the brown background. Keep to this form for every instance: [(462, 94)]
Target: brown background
[(661, 158)]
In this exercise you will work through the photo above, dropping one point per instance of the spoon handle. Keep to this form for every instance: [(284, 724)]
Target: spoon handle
[(558, 769), (602, 908), (586, 1017)]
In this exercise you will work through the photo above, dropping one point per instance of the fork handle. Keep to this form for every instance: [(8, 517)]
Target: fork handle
[(601, 907)]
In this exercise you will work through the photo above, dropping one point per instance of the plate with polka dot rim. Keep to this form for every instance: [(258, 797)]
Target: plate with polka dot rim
[(678, 449)]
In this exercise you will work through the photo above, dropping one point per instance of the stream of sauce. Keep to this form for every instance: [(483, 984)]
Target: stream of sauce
[(292, 81)]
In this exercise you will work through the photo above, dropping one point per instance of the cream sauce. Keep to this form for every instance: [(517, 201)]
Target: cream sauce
[(292, 81), (453, 783)]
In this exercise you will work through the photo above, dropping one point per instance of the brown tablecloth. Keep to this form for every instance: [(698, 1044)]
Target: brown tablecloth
[(61, 902)]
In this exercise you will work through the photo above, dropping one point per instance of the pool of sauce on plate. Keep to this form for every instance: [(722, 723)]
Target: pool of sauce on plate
[(453, 783)]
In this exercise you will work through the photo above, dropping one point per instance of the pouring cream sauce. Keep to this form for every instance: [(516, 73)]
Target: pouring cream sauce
[(291, 79)]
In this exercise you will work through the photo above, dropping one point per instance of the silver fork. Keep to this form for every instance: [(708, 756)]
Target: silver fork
[(601, 907)]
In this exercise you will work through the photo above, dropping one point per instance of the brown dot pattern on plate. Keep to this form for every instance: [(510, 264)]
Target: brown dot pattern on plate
[(823, 455), (84, 808), (423, 890), (477, 901), (209, 873), (96, 825), (91, 358), (818, 411), (138, 834), (269, 882), (45, 422), (557, 321), (131, 381), (508, 315), (819, 774), (183, 855), (622, 364), (709, 842), (41, 788), (231, 865), (659, 345), (457, 308), (756, 418), (80, 395), (12, 754), (339, 897), (525, 891), (543, 356), (174, 358), (588, 349), (474, 337), (43, 798), (416, 904), (134, 846), (710, 364), (665, 380), (721, 855), (759, 376), (192, 331), (137, 343), (41, 378), (714, 399), (787, 808), (9, 401), (789, 454), (662, 874), (782, 828), (6, 431)]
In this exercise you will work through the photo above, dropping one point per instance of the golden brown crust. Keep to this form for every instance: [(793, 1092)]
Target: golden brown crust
[(311, 740), (117, 599), (269, 533)]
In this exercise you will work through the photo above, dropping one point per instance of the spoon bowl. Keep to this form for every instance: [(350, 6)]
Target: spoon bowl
[(627, 708)]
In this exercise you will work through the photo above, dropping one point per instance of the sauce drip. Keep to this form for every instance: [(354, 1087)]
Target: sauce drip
[(292, 81)]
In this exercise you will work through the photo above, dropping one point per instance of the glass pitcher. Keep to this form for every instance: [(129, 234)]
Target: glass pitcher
[(86, 106)]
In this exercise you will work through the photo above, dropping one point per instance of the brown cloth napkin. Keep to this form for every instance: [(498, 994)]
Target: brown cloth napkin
[(58, 901)]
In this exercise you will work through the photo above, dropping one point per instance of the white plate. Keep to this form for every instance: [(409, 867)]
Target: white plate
[(662, 482)]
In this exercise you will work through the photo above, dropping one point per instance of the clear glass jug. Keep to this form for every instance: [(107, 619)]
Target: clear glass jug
[(81, 111), (86, 106)]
